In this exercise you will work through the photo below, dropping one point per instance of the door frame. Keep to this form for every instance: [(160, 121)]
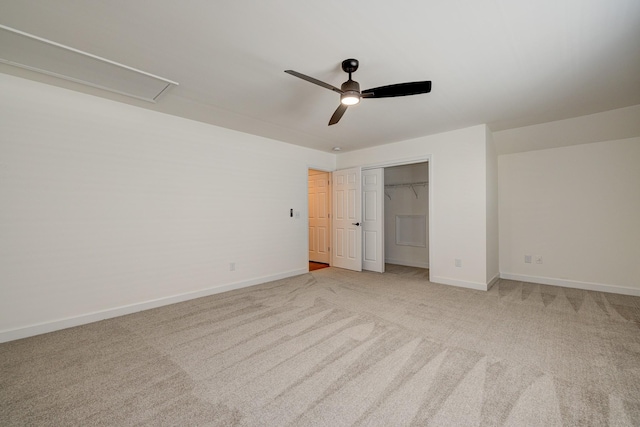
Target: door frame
[(306, 217), (409, 161)]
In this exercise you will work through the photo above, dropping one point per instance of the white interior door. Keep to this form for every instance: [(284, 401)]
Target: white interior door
[(347, 233), (373, 220), (319, 230)]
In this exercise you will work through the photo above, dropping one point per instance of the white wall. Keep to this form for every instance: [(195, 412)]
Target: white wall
[(458, 194), (579, 208), (493, 252), (609, 125), (403, 201), (107, 208)]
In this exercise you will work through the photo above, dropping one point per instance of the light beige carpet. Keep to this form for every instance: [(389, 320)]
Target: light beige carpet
[(335, 347)]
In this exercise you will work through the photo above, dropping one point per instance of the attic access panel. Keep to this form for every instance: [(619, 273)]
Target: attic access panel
[(37, 54)]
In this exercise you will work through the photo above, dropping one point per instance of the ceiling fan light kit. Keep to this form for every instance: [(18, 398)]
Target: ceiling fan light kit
[(350, 93), (348, 99)]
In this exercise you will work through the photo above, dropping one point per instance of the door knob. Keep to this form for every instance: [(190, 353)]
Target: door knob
[(356, 224)]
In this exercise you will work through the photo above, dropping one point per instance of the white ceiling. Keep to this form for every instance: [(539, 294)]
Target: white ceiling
[(507, 63)]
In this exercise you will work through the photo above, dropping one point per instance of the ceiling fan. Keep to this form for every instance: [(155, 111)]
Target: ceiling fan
[(350, 93)]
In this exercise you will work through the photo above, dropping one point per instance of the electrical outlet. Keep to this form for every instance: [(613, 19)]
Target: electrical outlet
[(232, 266), (458, 262), (527, 259), (538, 259)]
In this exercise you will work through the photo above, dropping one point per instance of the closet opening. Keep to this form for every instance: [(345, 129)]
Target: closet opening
[(406, 215)]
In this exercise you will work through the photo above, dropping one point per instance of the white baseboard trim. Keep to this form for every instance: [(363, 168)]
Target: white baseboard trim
[(407, 263), (460, 283), (56, 325), (493, 281), (589, 286)]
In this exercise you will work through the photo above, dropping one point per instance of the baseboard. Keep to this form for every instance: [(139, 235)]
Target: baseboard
[(407, 264), (493, 281), (56, 325), (460, 283), (589, 286)]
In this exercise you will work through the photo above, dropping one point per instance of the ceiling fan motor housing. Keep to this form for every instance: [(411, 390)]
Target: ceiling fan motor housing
[(351, 86), (350, 92)]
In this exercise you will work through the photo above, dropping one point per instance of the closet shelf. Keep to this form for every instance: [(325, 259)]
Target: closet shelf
[(411, 185)]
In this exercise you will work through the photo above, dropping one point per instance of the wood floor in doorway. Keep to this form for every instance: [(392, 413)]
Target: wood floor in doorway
[(317, 265)]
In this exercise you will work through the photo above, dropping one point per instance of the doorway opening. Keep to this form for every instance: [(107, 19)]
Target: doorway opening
[(319, 195)]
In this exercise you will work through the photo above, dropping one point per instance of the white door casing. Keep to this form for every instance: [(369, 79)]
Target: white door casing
[(373, 220), (346, 221), (319, 223)]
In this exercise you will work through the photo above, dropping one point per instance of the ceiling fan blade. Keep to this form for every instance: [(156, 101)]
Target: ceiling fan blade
[(337, 115), (400, 89), (314, 81)]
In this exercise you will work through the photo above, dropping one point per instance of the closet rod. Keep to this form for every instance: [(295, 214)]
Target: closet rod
[(409, 184)]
